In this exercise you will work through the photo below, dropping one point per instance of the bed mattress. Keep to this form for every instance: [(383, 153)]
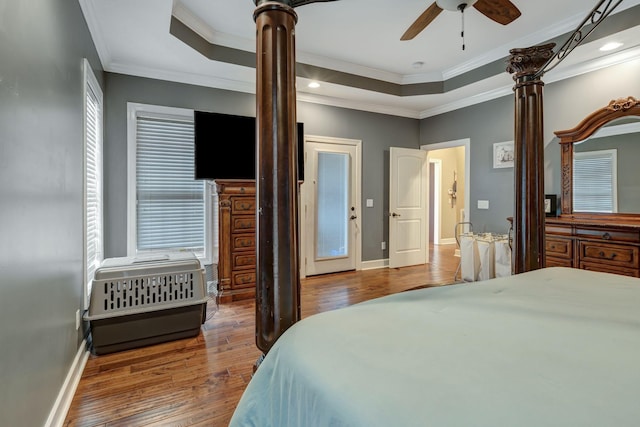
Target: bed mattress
[(550, 347)]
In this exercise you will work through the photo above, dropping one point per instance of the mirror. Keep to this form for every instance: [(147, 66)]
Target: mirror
[(611, 133), (619, 142)]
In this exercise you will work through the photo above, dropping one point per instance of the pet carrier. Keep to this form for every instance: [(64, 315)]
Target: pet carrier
[(138, 301)]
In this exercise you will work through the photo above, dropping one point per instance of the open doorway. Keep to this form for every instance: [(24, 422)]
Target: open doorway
[(449, 193)]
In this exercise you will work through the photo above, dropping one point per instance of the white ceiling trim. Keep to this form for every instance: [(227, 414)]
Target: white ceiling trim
[(249, 87), (467, 102), (360, 106), (188, 18), (555, 75), (187, 78), (503, 51), (96, 33), (621, 57), (205, 31)]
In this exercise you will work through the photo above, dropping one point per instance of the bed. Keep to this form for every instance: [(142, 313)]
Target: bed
[(543, 347), (550, 347)]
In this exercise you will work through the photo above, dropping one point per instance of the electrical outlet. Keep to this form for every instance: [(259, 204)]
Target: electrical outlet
[(77, 319), (383, 245)]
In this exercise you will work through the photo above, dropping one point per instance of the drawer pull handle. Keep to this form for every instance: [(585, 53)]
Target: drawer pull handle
[(613, 255), (606, 236)]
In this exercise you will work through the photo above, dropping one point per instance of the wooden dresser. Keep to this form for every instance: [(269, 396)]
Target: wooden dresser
[(237, 240), (594, 244), (608, 242)]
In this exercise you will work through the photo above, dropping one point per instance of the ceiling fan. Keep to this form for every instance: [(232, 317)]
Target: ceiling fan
[(500, 11)]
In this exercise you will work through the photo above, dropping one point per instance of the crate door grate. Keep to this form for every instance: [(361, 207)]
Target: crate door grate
[(148, 290)]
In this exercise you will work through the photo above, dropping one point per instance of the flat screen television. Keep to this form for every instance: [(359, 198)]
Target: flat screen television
[(225, 146)]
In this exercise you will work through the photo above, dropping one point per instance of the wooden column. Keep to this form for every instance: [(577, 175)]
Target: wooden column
[(529, 217), (278, 273)]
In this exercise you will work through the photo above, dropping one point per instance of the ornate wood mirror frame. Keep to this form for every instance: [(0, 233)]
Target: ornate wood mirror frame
[(588, 126)]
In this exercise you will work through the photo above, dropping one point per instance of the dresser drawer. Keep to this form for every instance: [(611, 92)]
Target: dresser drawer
[(243, 205), (243, 260), (611, 235), (607, 268), (562, 229), (242, 224), (244, 279), (620, 255), (558, 247), (242, 242), (558, 262)]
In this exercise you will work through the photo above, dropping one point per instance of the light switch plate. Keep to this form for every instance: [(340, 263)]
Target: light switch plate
[(369, 203), (483, 204)]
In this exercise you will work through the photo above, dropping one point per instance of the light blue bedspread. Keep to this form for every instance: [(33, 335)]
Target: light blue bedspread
[(551, 347)]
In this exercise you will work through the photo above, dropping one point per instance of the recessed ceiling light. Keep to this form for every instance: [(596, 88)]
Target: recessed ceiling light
[(610, 46), (314, 85), (417, 64)]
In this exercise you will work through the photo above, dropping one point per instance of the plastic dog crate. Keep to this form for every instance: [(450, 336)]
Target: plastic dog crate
[(142, 301)]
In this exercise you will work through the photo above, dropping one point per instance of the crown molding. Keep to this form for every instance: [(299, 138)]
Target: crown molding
[(355, 105), (96, 34), (188, 18), (467, 102), (558, 74), (498, 53), (204, 31), (186, 78)]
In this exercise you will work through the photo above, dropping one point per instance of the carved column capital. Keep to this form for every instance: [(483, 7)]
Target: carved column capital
[(528, 61)]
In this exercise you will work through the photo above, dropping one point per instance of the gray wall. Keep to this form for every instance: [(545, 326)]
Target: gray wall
[(566, 103), (378, 132), (41, 174)]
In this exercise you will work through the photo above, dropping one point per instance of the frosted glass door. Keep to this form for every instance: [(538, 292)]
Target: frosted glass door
[(330, 208), (332, 232)]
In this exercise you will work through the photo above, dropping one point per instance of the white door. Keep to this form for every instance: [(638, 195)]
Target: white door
[(330, 194), (408, 225)]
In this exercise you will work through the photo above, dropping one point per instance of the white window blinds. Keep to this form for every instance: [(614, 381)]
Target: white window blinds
[(170, 204), (594, 181), (93, 178)]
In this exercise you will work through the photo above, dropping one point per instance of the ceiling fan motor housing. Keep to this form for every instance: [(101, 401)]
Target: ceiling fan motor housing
[(454, 5)]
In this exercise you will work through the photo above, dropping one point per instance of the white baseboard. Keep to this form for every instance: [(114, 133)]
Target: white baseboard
[(448, 241), (378, 263), (65, 396)]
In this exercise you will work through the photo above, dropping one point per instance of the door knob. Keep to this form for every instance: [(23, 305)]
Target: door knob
[(395, 214), (353, 217)]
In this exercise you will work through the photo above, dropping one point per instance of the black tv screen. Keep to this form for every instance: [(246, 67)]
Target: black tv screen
[(225, 146)]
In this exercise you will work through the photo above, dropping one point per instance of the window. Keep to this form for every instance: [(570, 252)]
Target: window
[(93, 235), (168, 209), (594, 181)]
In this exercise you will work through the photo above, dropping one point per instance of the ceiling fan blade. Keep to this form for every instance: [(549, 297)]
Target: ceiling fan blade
[(296, 3), (421, 23), (500, 11)]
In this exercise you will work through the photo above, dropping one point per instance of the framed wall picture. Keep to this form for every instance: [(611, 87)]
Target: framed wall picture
[(503, 154), (550, 205)]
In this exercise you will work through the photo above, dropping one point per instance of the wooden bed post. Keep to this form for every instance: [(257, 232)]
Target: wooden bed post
[(278, 273), (528, 220)]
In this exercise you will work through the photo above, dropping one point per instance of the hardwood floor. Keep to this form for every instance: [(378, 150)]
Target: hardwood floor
[(198, 381)]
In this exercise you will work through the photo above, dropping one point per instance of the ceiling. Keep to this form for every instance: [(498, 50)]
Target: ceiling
[(353, 48)]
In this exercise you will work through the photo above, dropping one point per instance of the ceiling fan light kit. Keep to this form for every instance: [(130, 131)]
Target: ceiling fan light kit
[(454, 5)]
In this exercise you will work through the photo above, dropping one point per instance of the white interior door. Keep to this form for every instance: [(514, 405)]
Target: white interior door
[(408, 225), (331, 208)]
